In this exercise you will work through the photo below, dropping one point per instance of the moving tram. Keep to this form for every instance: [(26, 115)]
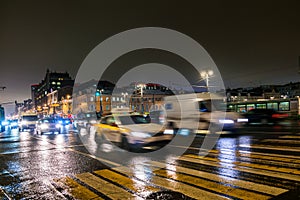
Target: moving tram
[(290, 106)]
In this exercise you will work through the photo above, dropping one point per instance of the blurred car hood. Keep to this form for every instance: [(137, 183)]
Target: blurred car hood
[(145, 128)]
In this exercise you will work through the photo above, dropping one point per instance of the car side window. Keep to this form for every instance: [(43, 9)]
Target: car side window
[(103, 120), (111, 121)]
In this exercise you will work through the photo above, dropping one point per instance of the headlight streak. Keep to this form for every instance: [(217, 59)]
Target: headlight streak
[(57, 125), (44, 126), (140, 134), (169, 131), (226, 121), (242, 120)]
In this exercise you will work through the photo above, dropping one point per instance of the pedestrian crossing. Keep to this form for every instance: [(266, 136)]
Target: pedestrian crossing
[(221, 174)]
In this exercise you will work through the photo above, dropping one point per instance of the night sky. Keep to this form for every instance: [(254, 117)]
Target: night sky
[(252, 43)]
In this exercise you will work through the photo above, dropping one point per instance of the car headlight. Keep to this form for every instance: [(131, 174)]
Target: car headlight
[(14, 123), (44, 126), (140, 134), (4, 123), (57, 125), (169, 131), (226, 121), (242, 120), (93, 121)]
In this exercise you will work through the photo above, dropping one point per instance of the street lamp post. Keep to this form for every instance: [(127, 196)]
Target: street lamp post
[(125, 94), (206, 74), (142, 98), (99, 94)]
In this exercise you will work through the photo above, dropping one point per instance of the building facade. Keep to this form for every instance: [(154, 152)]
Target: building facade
[(47, 96)]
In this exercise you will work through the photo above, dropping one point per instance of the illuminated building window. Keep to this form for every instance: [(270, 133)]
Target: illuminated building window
[(58, 83), (53, 83)]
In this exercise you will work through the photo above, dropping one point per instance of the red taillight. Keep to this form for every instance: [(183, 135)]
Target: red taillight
[(280, 115)]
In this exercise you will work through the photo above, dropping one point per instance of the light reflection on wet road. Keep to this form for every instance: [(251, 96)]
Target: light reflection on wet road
[(58, 166)]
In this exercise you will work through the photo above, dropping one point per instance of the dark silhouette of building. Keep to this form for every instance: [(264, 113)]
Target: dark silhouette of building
[(53, 81)]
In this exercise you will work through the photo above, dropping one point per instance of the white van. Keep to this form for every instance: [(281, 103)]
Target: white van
[(200, 111)]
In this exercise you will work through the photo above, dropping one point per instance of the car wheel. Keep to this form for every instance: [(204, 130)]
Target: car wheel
[(124, 143), (99, 138)]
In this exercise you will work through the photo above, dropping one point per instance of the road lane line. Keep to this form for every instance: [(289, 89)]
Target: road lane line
[(210, 185), (108, 189), (137, 186), (268, 147), (247, 164), (243, 169), (74, 189), (222, 179), (289, 163), (271, 155), (177, 186), (243, 151), (97, 158), (290, 136), (282, 141), (258, 155)]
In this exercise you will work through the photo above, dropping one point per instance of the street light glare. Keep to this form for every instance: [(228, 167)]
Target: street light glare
[(203, 74), (210, 72)]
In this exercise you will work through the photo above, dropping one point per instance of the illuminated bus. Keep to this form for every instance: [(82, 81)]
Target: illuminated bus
[(283, 105)]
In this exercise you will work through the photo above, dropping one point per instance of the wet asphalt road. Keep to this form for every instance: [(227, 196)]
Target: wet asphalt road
[(254, 163)]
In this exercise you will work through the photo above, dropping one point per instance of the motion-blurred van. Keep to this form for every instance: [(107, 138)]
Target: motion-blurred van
[(200, 111)]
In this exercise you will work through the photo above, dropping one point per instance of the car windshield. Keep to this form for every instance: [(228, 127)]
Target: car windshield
[(134, 119), (30, 118)]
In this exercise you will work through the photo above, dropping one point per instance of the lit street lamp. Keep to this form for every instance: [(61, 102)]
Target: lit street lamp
[(142, 93), (99, 95), (206, 75), (125, 95)]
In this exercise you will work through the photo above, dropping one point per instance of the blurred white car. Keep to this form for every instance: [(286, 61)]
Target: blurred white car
[(132, 132)]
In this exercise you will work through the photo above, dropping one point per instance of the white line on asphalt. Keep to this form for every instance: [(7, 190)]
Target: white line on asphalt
[(221, 178), (283, 148), (264, 172), (97, 158)]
